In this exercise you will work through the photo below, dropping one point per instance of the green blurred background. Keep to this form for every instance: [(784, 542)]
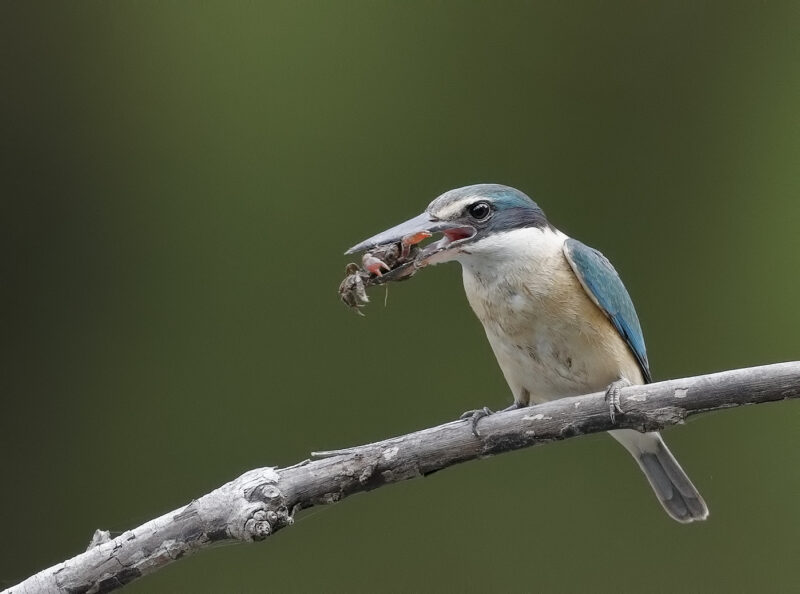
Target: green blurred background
[(179, 180)]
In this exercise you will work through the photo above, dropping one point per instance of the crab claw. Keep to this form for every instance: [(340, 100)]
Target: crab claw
[(374, 265), (411, 239)]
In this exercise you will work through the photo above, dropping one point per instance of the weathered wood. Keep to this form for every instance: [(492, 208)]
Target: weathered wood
[(264, 500)]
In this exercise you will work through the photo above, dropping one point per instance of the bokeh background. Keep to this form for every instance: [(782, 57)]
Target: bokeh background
[(179, 181)]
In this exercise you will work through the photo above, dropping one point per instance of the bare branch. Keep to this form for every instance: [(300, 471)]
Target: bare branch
[(264, 500)]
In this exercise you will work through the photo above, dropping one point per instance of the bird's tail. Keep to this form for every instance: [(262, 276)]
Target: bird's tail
[(671, 485)]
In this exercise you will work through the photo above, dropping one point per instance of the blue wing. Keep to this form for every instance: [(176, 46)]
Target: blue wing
[(605, 288)]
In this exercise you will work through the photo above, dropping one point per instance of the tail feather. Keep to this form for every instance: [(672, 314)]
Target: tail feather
[(674, 489)]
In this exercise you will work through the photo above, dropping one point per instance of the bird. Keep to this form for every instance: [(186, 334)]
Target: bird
[(556, 313)]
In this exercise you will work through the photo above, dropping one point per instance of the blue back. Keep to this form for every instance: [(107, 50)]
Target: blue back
[(605, 288)]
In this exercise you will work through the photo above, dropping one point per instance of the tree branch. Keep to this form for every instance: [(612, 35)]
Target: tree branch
[(264, 500)]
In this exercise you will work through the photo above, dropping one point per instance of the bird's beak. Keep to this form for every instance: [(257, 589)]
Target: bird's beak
[(411, 230)]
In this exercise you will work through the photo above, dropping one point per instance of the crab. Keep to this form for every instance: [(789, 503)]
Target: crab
[(383, 263)]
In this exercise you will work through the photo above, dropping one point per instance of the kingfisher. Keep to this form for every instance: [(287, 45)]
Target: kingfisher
[(558, 318)]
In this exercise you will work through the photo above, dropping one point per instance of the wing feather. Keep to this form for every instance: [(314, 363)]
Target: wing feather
[(604, 287)]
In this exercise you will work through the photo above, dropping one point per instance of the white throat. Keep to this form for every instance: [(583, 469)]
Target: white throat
[(525, 253)]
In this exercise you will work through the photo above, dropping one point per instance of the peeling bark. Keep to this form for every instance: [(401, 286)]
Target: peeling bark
[(264, 500)]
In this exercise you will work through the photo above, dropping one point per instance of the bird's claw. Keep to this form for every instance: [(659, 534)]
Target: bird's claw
[(474, 416), (613, 398)]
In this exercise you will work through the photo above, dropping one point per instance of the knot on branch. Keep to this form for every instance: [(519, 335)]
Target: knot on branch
[(270, 512), (265, 522)]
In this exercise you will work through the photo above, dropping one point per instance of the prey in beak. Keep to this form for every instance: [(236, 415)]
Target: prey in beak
[(395, 255), (416, 230)]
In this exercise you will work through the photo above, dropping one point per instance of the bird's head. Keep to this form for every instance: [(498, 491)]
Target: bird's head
[(465, 217)]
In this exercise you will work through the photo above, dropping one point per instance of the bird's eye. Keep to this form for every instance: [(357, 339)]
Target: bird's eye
[(479, 211)]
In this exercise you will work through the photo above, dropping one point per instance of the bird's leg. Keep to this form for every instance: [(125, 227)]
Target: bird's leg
[(612, 398), (479, 413)]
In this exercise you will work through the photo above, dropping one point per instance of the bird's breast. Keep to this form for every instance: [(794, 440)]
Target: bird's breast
[(549, 338)]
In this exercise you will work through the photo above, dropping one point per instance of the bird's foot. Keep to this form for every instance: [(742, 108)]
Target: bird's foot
[(479, 413), (613, 400), (475, 416)]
